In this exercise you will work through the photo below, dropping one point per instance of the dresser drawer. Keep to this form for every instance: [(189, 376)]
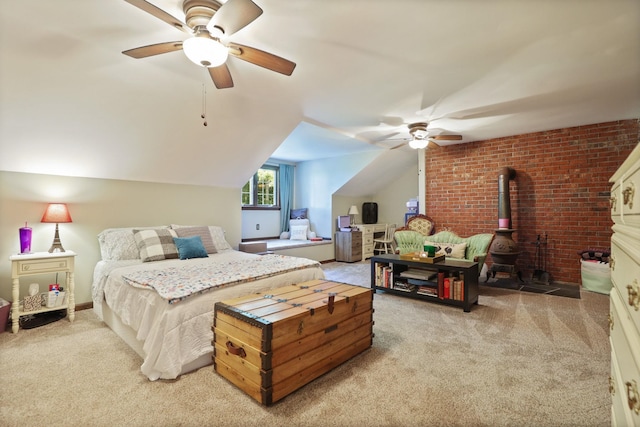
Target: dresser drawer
[(45, 266), (625, 344), (367, 229), (616, 203), (630, 192), (625, 274), (621, 416)]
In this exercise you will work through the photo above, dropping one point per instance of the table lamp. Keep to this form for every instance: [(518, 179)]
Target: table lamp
[(353, 211), (56, 212)]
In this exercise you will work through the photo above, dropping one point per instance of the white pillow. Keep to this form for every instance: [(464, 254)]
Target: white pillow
[(299, 232), (305, 222), (452, 250), (117, 244)]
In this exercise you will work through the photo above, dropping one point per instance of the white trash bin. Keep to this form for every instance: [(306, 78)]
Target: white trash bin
[(596, 276)]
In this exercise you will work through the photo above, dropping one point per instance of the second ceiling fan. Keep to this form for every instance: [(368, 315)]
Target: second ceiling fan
[(420, 138), (208, 21)]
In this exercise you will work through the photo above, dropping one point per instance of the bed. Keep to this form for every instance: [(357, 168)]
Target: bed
[(162, 305)]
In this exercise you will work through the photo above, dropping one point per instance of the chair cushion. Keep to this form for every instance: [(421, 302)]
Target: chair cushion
[(421, 223)]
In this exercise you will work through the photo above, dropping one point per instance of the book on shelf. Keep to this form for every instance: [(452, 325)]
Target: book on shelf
[(419, 282), (383, 275), (446, 286), (427, 290), (403, 286), (416, 273)]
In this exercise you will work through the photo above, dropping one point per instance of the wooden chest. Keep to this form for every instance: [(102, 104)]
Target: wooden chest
[(271, 344)]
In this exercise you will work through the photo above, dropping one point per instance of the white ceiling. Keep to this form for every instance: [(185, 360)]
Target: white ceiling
[(71, 103)]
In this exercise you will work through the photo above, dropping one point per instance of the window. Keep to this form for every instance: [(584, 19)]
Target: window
[(261, 191)]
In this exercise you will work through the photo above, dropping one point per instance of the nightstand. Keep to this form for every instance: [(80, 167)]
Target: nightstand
[(41, 263), (348, 246)]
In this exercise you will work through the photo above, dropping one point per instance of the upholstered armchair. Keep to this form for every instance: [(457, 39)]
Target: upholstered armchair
[(420, 223), (411, 237)]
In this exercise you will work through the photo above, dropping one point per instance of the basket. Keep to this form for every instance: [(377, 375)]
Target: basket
[(32, 302)]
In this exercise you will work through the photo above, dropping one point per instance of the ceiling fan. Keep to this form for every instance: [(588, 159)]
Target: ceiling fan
[(420, 137), (208, 21)]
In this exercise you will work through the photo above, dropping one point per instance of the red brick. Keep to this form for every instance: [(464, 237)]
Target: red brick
[(561, 188)]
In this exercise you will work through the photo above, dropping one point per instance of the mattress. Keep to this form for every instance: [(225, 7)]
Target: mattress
[(173, 337)]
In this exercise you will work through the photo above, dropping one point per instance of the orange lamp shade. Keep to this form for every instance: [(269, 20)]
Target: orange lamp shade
[(56, 212)]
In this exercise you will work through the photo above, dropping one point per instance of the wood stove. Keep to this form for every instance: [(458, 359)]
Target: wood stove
[(504, 250)]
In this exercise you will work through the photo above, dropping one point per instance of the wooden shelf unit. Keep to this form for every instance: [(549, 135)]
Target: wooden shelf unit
[(424, 288)]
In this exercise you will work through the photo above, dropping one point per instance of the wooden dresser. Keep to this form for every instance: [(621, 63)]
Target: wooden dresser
[(348, 246), (624, 317)]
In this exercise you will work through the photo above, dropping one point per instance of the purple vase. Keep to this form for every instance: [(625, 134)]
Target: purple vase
[(25, 240)]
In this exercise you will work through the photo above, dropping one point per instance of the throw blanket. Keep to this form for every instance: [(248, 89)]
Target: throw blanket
[(177, 283)]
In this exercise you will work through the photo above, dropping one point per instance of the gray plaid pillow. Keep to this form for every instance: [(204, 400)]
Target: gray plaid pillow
[(156, 244)]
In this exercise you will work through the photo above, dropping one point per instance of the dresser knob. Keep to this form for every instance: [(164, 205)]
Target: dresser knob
[(614, 204), (634, 295), (612, 262), (632, 396), (25, 267), (627, 195)]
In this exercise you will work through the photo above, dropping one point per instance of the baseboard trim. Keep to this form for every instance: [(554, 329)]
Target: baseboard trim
[(84, 306)]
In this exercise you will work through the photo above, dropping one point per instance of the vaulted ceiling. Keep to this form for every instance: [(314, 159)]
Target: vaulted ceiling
[(72, 104)]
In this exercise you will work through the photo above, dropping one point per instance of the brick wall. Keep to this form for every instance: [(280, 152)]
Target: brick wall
[(561, 189)]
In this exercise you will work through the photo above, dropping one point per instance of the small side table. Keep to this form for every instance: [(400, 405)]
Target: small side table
[(42, 263)]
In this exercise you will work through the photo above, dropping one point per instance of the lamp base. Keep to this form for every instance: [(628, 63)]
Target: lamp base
[(56, 246)]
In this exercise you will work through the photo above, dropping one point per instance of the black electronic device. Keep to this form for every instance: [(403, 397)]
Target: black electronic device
[(370, 213)]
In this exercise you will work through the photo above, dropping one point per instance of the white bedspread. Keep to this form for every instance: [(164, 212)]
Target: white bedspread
[(175, 284), (174, 335)]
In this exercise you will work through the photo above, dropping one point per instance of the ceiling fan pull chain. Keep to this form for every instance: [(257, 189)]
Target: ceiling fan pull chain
[(204, 105)]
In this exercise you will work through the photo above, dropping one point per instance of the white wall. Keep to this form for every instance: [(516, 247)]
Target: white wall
[(317, 180), (96, 204), (260, 224), (392, 199)]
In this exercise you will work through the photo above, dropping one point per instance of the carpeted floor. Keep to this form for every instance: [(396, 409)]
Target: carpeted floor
[(517, 359)]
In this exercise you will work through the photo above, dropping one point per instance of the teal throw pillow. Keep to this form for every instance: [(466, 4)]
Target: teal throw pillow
[(190, 247)]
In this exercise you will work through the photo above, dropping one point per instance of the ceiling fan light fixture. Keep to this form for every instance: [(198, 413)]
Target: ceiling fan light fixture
[(420, 134), (205, 51), (417, 144)]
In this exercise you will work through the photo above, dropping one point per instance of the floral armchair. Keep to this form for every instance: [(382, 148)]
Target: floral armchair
[(420, 223)]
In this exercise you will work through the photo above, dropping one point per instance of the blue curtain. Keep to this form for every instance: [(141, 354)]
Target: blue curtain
[(286, 195)]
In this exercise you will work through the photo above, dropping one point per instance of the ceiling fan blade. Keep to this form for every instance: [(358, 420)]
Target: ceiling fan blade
[(221, 76), (262, 58), (153, 49), (398, 146), (233, 16), (446, 137), (160, 14)]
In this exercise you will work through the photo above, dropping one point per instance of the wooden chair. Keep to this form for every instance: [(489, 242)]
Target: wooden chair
[(385, 244)]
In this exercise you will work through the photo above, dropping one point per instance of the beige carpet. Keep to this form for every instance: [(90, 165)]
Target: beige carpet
[(518, 359)]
